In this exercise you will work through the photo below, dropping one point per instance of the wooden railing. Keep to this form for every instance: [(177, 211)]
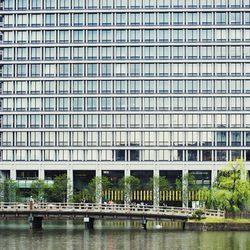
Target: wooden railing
[(102, 209)]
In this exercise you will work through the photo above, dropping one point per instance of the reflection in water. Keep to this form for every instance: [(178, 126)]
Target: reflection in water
[(112, 235)]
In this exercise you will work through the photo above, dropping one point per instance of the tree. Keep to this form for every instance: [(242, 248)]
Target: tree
[(39, 190), (128, 184), (185, 184), (95, 188), (231, 190), (9, 191), (157, 184), (58, 192), (189, 179)]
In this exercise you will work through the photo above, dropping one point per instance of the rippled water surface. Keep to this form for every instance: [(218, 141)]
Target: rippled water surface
[(112, 235)]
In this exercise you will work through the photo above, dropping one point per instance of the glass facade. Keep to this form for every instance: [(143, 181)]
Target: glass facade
[(125, 81)]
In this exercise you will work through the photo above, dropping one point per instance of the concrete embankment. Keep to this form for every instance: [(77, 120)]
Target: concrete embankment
[(200, 226)]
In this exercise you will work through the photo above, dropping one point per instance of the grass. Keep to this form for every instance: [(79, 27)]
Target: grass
[(221, 220)]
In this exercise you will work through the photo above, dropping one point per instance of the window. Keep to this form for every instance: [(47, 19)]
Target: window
[(121, 35), (50, 53), (50, 4), (92, 19), (36, 53), (50, 36), (164, 18), (135, 18), (91, 53), (8, 4), (36, 4), (120, 87), (77, 4), (149, 19), (63, 4), (106, 69), (36, 20), (92, 36), (78, 53), (64, 36), (78, 19), (22, 4), (107, 19), (50, 20), (64, 19), (35, 70), (106, 86), (92, 4), (77, 103), (120, 103), (235, 18), (22, 54), (221, 18), (78, 69), (106, 36), (121, 53), (106, 103), (92, 69)]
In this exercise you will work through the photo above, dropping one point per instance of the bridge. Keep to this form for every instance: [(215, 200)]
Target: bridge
[(88, 212)]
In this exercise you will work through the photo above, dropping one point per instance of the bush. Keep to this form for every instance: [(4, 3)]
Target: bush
[(198, 214)]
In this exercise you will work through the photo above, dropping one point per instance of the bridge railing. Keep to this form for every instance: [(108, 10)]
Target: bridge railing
[(105, 208)]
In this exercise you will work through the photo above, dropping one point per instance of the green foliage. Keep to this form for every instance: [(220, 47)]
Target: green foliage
[(198, 214), (231, 190), (158, 182), (9, 191), (219, 199), (58, 191), (78, 197), (189, 179), (129, 184), (39, 190), (94, 189)]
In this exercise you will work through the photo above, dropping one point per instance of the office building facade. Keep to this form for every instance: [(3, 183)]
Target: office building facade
[(139, 86)]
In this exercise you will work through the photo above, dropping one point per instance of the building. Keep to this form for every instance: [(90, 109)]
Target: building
[(116, 88)]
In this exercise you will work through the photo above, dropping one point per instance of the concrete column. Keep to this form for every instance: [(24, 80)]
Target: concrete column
[(41, 174), (89, 223), (13, 174), (214, 174), (127, 189), (36, 222), (184, 188), (156, 190), (70, 184), (99, 187), (144, 223)]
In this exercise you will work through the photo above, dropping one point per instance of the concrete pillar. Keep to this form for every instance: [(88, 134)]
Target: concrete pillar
[(213, 176), (184, 188), (36, 222), (99, 187), (41, 174), (156, 190), (70, 184), (127, 189), (13, 174), (144, 223), (89, 222)]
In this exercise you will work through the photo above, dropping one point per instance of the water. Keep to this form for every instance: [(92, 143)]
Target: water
[(110, 235)]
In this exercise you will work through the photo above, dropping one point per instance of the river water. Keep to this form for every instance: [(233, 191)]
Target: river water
[(112, 235)]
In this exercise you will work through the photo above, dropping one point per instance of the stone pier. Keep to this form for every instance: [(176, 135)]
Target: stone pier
[(36, 222), (89, 222)]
